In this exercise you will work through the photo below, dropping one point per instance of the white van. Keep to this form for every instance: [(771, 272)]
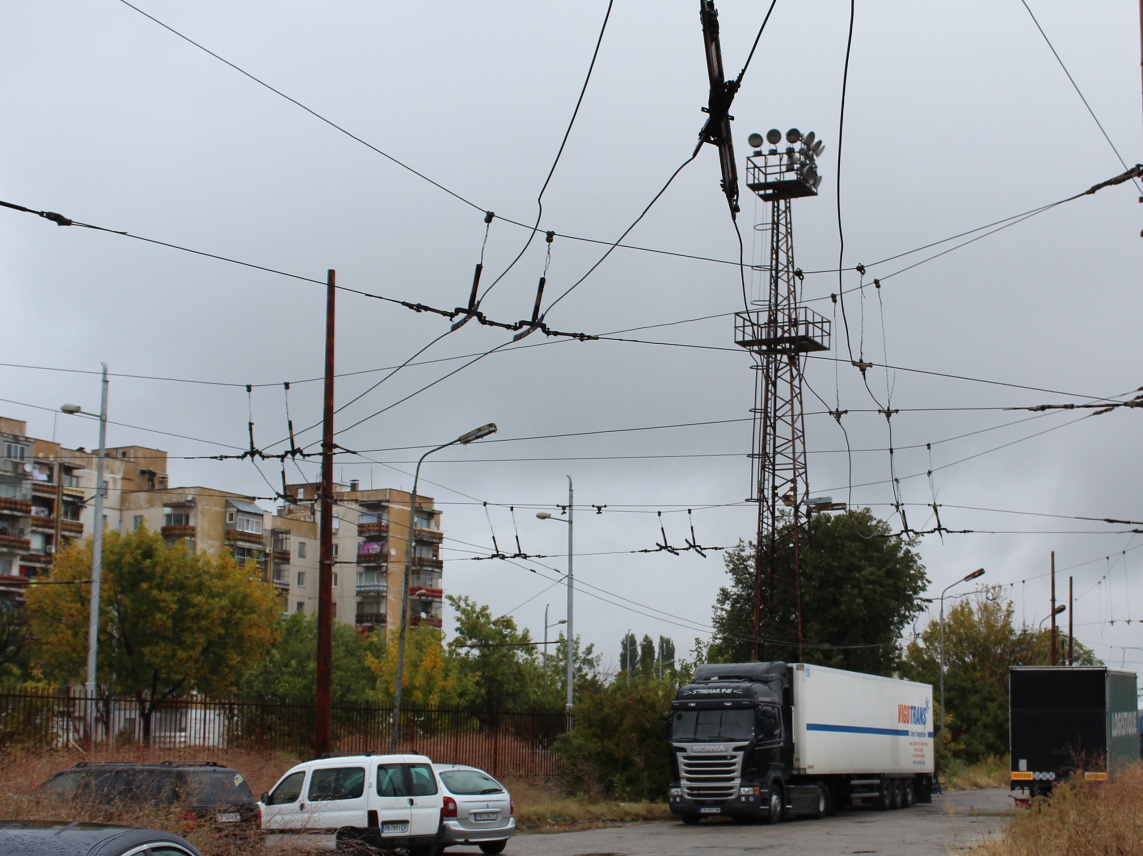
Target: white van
[(384, 801)]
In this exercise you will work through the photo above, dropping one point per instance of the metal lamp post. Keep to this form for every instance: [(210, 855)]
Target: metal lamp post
[(1059, 609), (546, 626), (543, 515), (96, 554), (464, 440), (978, 572)]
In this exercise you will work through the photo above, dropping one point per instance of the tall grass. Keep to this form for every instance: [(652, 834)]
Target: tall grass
[(1080, 819), (24, 773)]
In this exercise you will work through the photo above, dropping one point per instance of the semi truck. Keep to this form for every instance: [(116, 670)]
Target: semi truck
[(1070, 721), (767, 740)]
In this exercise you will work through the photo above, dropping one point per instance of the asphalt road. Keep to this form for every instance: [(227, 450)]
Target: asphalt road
[(953, 823)]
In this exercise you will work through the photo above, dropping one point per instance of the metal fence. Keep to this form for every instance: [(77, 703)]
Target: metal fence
[(500, 741)]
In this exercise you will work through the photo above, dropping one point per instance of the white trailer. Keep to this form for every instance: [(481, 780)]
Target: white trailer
[(770, 739)]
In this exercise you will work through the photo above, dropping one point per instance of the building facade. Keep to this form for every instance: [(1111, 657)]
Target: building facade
[(45, 504)]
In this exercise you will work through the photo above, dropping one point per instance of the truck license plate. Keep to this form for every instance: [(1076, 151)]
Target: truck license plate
[(710, 810), (227, 817), (479, 816), (395, 828)]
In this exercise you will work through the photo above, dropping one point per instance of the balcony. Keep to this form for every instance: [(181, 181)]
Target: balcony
[(182, 531), (372, 553), (43, 523), (427, 562), (369, 619), (19, 506), (433, 536), (44, 488), (281, 555), (15, 542), (245, 537), (281, 579), (373, 529), (429, 621), (371, 582), (71, 527), (426, 593)]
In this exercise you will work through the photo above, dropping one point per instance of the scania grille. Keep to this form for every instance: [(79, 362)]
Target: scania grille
[(710, 777)]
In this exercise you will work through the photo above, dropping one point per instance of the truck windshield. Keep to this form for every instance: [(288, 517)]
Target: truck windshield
[(725, 724)]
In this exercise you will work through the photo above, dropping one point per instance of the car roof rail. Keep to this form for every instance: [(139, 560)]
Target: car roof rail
[(190, 764)]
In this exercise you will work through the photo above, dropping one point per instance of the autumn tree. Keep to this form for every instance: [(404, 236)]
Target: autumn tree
[(860, 587), (171, 622), (429, 678), (981, 642)]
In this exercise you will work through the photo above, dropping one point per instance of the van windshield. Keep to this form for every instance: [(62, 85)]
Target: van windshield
[(720, 724)]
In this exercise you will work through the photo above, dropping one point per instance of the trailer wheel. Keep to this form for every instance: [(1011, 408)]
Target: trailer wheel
[(884, 799), (910, 794), (821, 800), (776, 806), (897, 794)]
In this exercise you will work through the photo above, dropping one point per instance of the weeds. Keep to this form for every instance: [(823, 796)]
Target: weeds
[(1080, 819)]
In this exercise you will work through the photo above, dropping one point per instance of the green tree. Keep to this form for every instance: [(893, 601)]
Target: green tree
[(860, 588), (171, 622), (646, 659), (617, 748), (14, 642), (430, 677), (288, 671), (981, 643), (498, 664)]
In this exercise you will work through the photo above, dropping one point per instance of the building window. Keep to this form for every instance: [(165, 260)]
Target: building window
[(14, 451), (334, 605), (335, 580), (335, 549), (138, 522), (174, 518), (6, 567), (301, 579), (70, 479), (301, 549), (229, 516), (300, 607), (248, 523)]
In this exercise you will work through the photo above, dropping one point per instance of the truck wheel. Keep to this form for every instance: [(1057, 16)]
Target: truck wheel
[(690, 819), (909, 796), (821, 800), (776, 806)]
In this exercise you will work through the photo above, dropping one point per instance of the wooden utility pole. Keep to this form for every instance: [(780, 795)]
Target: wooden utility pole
[(323, 701)]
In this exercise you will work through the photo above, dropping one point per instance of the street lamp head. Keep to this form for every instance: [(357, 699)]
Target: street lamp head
[(543, 515), (71, 409), (477, 434), (977, 573)]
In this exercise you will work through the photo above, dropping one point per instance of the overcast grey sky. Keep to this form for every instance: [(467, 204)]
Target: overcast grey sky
[(955, 116)]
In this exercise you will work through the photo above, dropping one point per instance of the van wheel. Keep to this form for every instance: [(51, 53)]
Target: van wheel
[(349, 841), (776, 807), (494, 847)]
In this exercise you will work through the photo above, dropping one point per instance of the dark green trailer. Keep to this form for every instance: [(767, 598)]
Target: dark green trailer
[(1067, 721)]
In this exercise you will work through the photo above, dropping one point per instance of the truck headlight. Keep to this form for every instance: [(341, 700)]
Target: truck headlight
[(676, 792), (747, 792)]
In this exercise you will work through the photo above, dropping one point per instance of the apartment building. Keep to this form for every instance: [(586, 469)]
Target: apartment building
[(45, 504)]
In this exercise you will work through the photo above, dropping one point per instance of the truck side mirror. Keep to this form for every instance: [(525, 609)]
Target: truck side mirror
[(666, 726)]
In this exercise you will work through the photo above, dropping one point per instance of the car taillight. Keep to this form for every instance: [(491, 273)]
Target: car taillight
[(188, 817), (511, 808), (259, 815), (449, 807)]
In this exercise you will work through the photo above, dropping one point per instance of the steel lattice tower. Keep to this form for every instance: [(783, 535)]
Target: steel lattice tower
[(778, 335)]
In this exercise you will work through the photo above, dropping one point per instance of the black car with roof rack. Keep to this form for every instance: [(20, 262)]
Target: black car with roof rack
[(200, 791)]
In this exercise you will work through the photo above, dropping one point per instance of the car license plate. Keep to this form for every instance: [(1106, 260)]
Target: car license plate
[(710, 810), (479, 816), (227, 817), (395, 828)]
